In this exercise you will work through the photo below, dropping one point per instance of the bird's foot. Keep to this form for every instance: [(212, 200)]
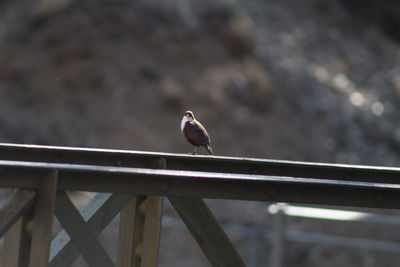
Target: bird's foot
[(194, 152)]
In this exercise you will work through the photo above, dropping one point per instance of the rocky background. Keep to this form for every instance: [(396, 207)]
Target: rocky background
[(308, 80)]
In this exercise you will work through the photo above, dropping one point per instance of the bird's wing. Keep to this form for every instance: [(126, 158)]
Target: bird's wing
[(197, 133)]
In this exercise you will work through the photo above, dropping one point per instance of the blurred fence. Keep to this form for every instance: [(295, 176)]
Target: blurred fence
[(281, 232), (133, 184)]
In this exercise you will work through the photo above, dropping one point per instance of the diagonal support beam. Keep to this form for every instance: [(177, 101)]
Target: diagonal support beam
[(97, 213), (14, 208), (206, 230), (80, 233)]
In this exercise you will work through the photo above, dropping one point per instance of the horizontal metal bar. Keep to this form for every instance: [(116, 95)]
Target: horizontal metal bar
[(199, 163), (332, 214), (343, 241), (224, 177), (377, 186), (203, 184)]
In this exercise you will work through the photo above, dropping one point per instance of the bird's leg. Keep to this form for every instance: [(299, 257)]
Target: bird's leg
[(195, 150)]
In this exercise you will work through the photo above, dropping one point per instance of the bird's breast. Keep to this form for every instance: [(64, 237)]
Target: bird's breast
[(183, 122)]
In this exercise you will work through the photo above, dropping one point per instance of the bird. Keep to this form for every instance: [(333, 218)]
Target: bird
[(195, 133)]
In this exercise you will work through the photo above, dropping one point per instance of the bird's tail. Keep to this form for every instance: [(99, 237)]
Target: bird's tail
[(209, 149)]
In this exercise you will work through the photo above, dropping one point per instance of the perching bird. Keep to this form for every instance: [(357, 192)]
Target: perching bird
[(195, 133)]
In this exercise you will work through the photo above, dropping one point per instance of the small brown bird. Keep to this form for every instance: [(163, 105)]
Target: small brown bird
[(195, 133)]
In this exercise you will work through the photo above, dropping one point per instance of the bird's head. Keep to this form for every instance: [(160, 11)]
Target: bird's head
[(189, 115)]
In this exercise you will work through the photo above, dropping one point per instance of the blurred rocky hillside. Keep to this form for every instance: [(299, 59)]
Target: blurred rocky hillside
[(307, 80)]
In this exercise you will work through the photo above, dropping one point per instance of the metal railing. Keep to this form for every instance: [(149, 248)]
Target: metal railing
[(282, 233), (134, 183)]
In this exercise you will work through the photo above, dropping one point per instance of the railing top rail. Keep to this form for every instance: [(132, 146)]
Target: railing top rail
[(94, 156), (74, 169), (144, 181), (66, 149)]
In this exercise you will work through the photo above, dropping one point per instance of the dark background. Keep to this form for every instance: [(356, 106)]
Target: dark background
[(307, 80)]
